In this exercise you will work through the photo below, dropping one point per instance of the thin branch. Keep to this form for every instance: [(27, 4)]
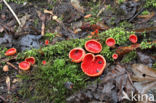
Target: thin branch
[(12, 13), (10, 64)]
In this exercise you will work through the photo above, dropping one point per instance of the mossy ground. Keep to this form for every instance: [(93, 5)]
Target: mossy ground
[(47, 81)]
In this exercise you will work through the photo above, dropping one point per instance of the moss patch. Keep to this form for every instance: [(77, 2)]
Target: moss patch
[(129, 57), (17, 1), (45, 83), (150, 3)]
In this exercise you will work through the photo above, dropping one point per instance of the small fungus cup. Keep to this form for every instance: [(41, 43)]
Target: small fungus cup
[(76, 55), (93, 46)]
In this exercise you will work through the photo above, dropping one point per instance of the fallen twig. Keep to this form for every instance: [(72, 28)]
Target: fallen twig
[(3, 99), (139, 12), (6, 59), (145, 29), (43, 25), (12, 13), (147, 17), (126, 49), (10, 64)]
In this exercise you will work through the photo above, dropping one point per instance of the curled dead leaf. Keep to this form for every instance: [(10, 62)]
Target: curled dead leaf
[(76, 5), (87, 16), (143, 87), (143, 73)]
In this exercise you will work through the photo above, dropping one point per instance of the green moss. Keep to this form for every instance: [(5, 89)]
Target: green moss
[(36, 21), (119, 34), (129, 57), (48, 80), (17, 1), (154, 66), (146, 45), (150, 3), (93, 11), (50, 36), (2, 52), (1, 6), (120, 1), (126, 25), (145, 12), (109, 7)]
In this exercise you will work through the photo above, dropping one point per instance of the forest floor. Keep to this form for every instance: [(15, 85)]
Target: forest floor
[(49, 29)]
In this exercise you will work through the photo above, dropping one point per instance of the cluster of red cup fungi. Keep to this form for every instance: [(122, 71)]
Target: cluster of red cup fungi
[(94, 65), (91, 65), (25, 65)]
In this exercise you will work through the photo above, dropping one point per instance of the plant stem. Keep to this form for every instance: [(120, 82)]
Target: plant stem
[(12, 13)]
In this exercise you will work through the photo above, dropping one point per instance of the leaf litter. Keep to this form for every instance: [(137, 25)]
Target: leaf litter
[(109, 89)]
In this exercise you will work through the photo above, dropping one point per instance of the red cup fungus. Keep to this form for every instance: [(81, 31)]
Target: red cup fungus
[(10, 52), (46, 42), (93, 46), (110, 42), (44, 62), (133, 38), (76, 55), (115, 56), (96, 31), (93, 65), (31, 60), (24, 65)]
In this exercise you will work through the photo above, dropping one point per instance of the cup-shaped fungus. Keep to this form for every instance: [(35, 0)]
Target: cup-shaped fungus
[(93, 46), (10, 52), (93, 65), (44, 62), (115, 56), (76, 55), (110, 42), (31, 60), (133, 38), (24, 65)]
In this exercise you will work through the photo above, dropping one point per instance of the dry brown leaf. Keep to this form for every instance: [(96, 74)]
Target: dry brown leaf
[(110, 88), (76, 5), (87, 16), (48, 12), (23, 21), (103, 26), (143, 87), (143, 73), (16, 80)]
